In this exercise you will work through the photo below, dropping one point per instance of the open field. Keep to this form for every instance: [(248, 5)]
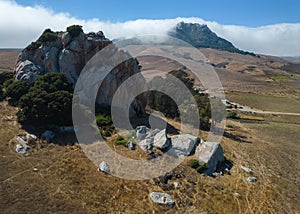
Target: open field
[(68, 182), (266, 102), (8, 59)]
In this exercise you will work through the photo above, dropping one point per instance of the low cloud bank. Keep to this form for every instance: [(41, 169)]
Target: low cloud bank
[(21, 25)]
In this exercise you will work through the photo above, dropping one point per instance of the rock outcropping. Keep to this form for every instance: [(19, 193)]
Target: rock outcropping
[(210, 153), (69, 52)]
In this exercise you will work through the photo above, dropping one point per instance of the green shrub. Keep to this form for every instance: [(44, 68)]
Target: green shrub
[(17, 89), (7, 83), (202, 167), (47, 102), (103, 120), (232, 115), (194, 164), (120, 141), (74, 30), (4, 76), (229, 126), (47, 36), (33, 46)]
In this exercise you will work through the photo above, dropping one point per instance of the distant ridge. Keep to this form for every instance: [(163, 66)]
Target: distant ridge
[(200, 36)]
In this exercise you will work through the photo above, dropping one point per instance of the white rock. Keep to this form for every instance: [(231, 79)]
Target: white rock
[(252, 179), (104, 167), (183, 145), (246, 169), (176, 185), (146, 144), (30, 138), (161, 198), (210, 153), (160, 140)]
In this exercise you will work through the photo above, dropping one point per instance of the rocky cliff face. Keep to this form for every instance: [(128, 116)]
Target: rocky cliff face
[(200, 36), (69, 53)]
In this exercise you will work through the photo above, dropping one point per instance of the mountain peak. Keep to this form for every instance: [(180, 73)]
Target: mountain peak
[(200, 36)]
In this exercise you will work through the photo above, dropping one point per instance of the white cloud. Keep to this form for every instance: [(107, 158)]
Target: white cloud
[(21, 25)]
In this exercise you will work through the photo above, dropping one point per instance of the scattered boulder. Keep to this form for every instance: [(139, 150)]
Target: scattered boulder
[(104, 167), (30, 138), (48, 135), (246, 169), (141, 132), (131, 146), (252, 179), (183, 145), (210, 153), (35, 169), (162, 198), (176, 185), (238, 195), (146, 144), (161, 141), (22, 147)]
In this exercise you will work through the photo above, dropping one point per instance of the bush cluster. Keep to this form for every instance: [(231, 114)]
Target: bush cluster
[(47, 36), (198, 166), (74, 30), (120, 141)]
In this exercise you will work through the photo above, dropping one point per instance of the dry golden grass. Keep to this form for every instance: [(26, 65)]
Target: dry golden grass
[(67, 182), (8, 59)]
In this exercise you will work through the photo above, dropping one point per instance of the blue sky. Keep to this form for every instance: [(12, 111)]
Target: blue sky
[(235, 12), (265, 27)]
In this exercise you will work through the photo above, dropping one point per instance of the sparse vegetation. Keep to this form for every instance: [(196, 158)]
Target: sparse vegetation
[(194, 164), (163, 103), (202, 167), (47, 36), (120, 141), (232, 115)]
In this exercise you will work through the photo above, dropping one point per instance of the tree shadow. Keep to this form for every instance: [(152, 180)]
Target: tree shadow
[(238, 138)]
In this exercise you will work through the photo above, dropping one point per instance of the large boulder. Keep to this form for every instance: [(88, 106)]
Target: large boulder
[(183, 145), (70, 54), (210, 153), (161, 141)]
